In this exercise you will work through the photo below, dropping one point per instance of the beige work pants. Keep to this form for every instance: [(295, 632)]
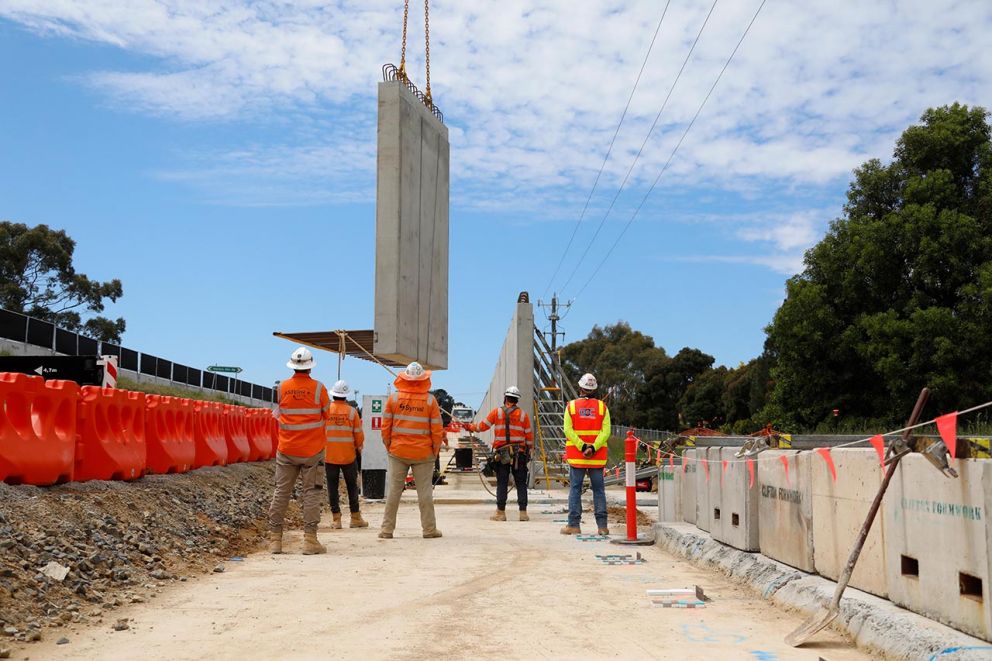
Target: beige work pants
[(288, 469), (423, 472)]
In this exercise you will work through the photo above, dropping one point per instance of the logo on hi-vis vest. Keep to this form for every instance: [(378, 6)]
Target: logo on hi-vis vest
[(587, 413), (299, 394)]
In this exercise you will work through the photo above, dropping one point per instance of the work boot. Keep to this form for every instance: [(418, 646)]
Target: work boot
[(571, 530), (385, 535), (432, 534), (500, 515), (357, 521), (311, 545), (335, 520), (524, 516), (604, 531), (275, 542)]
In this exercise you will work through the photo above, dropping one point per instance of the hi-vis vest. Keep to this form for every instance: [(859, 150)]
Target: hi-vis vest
[(411, 425), (587, 416), (344, 434), (510, 425), (303, 404)]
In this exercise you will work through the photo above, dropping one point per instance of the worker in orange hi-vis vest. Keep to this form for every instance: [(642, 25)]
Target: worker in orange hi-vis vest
[(513, 442), (302, 413), (344, 445), (587, 432), (412, 432)]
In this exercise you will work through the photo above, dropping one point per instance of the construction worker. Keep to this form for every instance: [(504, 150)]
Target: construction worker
[(513, 442), (344, 443), (412, 432), (587, 430), (302, 413)]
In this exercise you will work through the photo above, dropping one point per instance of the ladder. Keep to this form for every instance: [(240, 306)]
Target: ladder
[(551, 394)]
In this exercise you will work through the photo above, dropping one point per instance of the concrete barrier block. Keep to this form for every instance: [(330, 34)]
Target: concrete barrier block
[(937, 541), (738, 504), (708, 490), (670, 493), (688, 485), (839, 509), (785, 507)]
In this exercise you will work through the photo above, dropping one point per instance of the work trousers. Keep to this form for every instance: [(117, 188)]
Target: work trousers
[(334, 472), (576, 476), (288, 469), (519, 470), (396, 482)]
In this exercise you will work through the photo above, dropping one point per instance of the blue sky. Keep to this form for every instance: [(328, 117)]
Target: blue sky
[(218, 157)]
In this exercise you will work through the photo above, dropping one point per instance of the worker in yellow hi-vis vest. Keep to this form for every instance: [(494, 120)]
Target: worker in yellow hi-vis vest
[(587, 430)]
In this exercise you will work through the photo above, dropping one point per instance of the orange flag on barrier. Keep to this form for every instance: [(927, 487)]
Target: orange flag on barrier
[(723, 469), (785, 463), (750, 471), (825, 453), (878, 443), (706, 468), (671, 460), (947, 425)]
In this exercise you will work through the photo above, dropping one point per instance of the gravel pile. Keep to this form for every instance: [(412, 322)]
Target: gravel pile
[(71, 553)]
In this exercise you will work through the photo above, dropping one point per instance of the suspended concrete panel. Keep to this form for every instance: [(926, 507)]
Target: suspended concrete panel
[(411, 257), (515, 366)]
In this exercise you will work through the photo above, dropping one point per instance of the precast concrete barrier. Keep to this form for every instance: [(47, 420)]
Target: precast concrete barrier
[(738, 501), (785, 507), (670, 492), (704, 476), (688, 485), (839, 510), (937, 539)]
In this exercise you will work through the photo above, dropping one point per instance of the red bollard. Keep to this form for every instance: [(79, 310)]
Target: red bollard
[(630, 457)]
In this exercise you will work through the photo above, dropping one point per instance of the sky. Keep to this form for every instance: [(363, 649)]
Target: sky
[(218, 157)]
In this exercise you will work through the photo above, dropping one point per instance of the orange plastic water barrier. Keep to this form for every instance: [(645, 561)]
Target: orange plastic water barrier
[(259, 424), (208, 434), (110, 435), (169, 434), (37, 429), (236, 433)]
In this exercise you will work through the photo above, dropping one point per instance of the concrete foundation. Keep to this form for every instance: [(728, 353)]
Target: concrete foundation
[(688, 486), (937, 541), (839, 510), (411, 261), (738, 504), (670, 492), (514, 367), (785, 506)]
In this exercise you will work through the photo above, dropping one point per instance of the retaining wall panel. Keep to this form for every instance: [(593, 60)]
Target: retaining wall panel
[(785, 507), (670, 493), (688, 486), (738, 501), (839, 510)]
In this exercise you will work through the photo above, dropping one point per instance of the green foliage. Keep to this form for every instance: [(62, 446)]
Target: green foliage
[(125, 383), (37, 278), (446, 402), (898, 295)]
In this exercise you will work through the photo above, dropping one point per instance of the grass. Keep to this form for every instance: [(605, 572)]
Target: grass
[(125, 383)]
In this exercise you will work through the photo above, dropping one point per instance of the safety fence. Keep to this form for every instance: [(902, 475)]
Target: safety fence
[(53, 432), (46, 335)]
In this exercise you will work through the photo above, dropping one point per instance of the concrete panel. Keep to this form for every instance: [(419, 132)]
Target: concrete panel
[(411, 262), (670, 493), (688, 486), (937, 542), (839, 509), (738, 524), (785, 507), (373, 452), (514, 367), (705, 489), (714, 496)]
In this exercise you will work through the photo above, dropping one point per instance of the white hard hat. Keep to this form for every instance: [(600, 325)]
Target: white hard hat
[(340, 389), (415, 372), (512, 391), (588, 382), (302, 359)]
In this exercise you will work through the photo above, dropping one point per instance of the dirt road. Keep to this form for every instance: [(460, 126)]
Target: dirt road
[(488, 590)]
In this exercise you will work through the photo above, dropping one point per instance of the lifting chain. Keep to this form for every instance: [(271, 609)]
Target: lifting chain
[(406, 15), (427, 47)]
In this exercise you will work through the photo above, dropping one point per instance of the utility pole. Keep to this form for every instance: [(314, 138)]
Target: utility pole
[(554, 318)]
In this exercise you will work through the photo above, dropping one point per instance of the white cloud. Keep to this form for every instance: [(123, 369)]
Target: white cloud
[(532, 89)]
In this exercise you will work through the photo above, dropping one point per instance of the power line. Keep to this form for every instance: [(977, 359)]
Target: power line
[(674, 151), (643, 144), (608, 151)]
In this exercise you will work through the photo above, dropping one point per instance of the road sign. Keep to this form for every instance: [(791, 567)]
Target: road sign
[(225, 369)]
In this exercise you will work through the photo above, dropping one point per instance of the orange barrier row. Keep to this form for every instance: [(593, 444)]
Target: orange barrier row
[(54, 432)]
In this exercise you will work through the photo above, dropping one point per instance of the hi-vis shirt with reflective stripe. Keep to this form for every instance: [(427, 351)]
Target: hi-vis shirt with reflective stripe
[(587, 421), (411, 422), (303, 408), (344, 434), (518, 422)]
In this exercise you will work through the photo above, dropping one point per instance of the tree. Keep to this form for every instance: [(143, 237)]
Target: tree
[(37, 278), (702, 401), (446, 402), (898, 294)]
